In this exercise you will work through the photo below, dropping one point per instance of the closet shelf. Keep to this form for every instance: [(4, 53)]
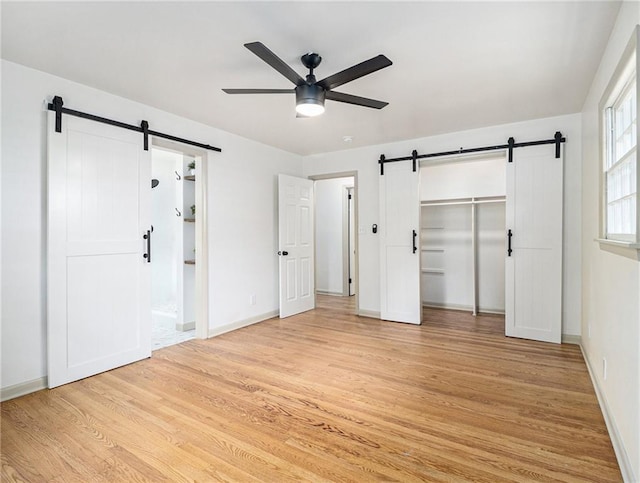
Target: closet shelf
[(190, 178), (432, 270), (465, 201), (189, 220), (433, 249), (189, 262), (433, 227)]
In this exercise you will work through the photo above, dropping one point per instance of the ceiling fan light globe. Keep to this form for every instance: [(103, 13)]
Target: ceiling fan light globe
[(309, 109)]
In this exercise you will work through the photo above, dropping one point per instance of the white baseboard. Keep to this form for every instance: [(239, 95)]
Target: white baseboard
[(571, 339), (434, 305), (369, 313), (333, 294), (242, 323), (23, 388), (186, 326), (464, 308), (618, 446)]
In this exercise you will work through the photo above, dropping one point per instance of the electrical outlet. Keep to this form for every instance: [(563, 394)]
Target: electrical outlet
[(252, 299), (604, 368)]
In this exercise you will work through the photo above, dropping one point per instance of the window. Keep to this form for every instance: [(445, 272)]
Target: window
[(620, 165), (619, 107)]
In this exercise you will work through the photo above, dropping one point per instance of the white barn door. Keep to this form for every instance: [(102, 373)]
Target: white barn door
[(296, 237), (98, 290), (533, 278), (400, 244)]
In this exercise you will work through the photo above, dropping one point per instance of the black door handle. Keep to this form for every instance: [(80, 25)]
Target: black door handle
[(147, 236), (415, 248), (509, 250), (283, 253)]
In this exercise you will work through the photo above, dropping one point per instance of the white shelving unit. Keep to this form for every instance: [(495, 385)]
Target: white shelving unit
[(457, 251)]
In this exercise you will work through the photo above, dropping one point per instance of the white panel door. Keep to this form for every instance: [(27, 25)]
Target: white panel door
[(295, 208), (98, 290), (533, 278), (400, 244)]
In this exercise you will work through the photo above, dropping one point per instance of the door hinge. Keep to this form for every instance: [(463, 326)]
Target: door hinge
[(349, 195), (350, 281)]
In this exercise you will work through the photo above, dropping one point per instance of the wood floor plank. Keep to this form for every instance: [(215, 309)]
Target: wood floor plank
[(324, 396)]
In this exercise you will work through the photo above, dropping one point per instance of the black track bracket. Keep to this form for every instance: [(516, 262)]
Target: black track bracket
[(558, 138), (57, 107), (511, 143), (144, 125)]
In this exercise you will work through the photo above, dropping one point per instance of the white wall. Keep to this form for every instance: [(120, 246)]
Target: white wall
[(364, 161), (610, 282), (463, 179), (241, 208), (163, 218), (330, 234)]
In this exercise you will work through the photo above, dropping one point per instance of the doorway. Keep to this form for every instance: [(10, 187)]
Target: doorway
[(462, 234), (173, 262), (336, 240), (179, 308)]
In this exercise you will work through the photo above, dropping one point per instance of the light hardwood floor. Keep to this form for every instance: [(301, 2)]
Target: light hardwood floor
[(323, 396)]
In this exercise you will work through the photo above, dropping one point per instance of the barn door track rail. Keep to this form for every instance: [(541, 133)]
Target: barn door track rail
[(511, 145), (57, 107)]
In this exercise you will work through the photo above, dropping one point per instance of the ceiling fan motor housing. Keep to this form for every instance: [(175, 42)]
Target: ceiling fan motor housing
[(309, 94)]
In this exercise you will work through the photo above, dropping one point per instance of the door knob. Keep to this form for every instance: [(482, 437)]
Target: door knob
[(283, 253)]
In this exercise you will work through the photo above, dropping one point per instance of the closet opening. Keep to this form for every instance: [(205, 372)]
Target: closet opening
[(173, 218), (463, 224)]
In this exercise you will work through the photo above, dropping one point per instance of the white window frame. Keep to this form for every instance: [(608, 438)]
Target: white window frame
[(625, 73)]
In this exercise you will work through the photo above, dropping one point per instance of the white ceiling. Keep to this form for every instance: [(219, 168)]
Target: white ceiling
[(455, 65)]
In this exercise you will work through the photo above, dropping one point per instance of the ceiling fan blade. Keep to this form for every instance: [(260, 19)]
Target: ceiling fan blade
[(355, 72), (358, 101), (274, 61), (259, 91)]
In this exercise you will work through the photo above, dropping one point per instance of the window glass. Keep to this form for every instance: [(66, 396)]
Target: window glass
[(621, 164)]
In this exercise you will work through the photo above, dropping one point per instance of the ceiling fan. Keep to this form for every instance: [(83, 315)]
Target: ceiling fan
[(311, 94)]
